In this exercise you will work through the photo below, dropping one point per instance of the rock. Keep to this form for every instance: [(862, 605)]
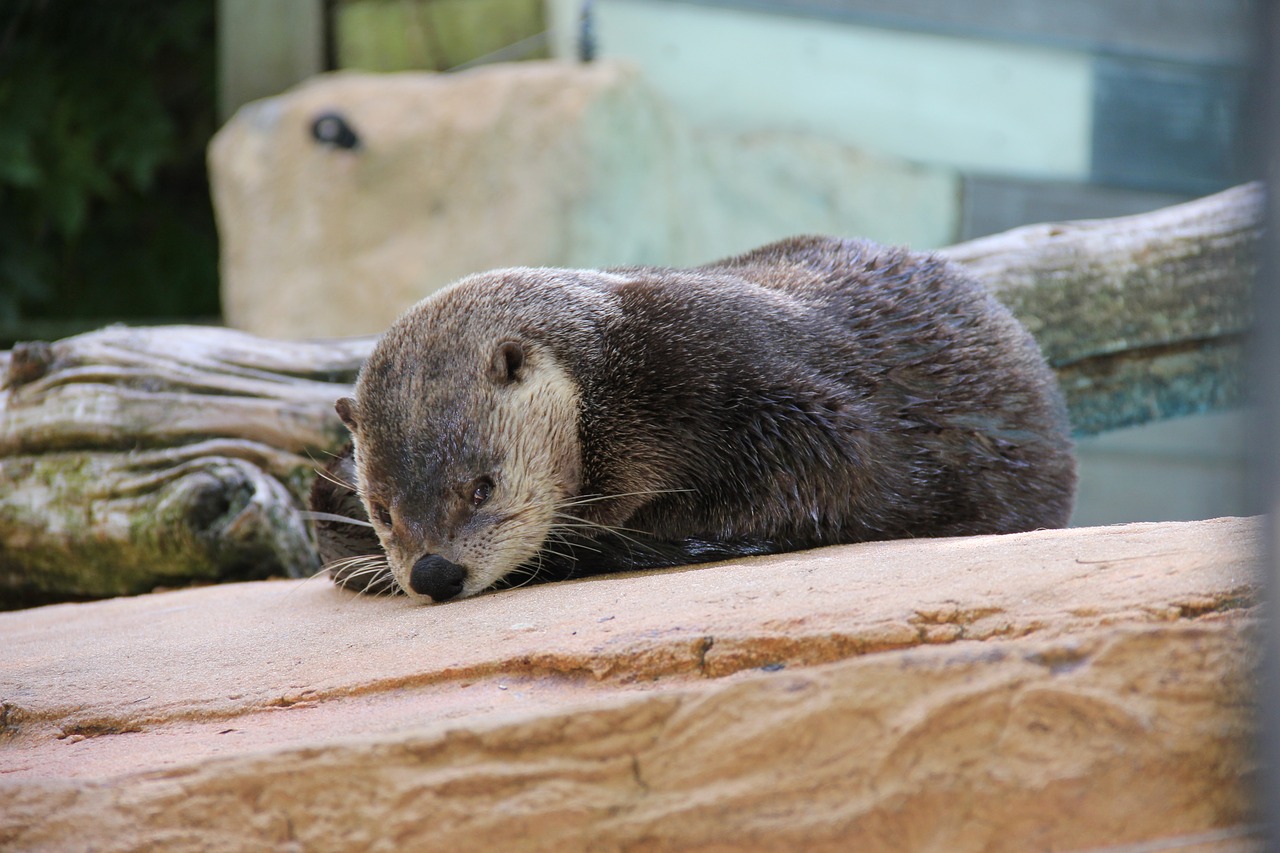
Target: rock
[(342, 202), (1063, 689), (452, 173)]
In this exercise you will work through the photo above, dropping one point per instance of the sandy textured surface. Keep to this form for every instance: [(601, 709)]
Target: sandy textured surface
[(1050, 690)]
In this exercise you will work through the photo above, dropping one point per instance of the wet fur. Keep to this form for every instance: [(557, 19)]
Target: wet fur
[(812, 392)]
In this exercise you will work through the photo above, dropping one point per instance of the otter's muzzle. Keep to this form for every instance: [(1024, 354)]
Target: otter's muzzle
[(435, 576)]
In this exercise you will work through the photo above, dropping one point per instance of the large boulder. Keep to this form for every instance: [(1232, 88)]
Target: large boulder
[(429, 177), (1056, 690)]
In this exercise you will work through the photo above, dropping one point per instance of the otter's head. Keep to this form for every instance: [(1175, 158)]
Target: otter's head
[(466, 438)]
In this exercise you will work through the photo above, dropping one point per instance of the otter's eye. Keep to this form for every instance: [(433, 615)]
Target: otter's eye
[(381, 513), (482, 489)]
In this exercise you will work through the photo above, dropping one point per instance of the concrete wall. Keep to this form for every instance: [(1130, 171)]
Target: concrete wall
[(1183, 469)]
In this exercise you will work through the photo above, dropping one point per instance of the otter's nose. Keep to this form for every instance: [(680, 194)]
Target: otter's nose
[(435, 576)]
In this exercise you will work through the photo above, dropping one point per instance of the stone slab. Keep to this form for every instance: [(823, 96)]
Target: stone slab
[(964, 694)]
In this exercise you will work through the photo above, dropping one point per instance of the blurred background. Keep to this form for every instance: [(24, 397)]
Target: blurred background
[(924, 122)]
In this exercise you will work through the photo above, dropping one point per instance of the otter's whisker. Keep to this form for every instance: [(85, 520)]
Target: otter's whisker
[(620, 532), (363, 574), (378, 585), (530, 576), (563, 555), (330, 567), (337, 519), (346, 562), (589, 499), (577, 543), (326, 474), (598, 526)]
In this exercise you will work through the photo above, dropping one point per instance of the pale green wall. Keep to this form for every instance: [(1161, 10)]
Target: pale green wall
[(968, 104)]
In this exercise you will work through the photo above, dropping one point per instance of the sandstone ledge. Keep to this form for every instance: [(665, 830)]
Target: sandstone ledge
[(1052, 690)]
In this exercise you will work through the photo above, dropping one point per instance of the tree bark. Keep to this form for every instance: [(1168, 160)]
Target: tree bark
[(137, 457)]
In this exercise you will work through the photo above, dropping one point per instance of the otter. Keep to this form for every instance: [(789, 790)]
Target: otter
[(550, 423)]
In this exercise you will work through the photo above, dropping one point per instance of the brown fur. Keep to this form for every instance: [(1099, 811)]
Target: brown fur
[(815, 391)]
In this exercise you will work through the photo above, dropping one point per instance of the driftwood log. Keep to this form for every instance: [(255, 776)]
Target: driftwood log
[(137, 457), (1143, 317), (132, 458)]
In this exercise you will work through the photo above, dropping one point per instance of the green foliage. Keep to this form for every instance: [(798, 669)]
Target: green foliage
[(105, 112)]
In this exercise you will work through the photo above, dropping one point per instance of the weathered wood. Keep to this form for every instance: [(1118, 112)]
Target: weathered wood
[(144, 457), (139, 457), (96, 524), (1142, 316), (121, 387)]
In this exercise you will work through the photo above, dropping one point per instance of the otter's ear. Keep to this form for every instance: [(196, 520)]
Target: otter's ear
[(508, 362), (346, 409)]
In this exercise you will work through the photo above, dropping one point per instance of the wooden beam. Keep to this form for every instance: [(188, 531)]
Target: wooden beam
[(266, 47)]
